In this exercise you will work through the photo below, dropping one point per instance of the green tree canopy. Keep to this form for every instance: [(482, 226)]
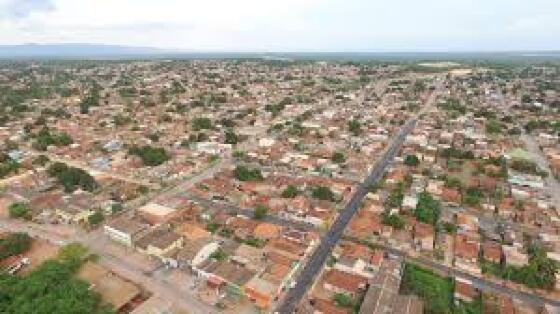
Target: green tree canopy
[(151, 156), (19, 210), (427, 209), (411, 160), (290, 191), (242, 173), (260, 212)]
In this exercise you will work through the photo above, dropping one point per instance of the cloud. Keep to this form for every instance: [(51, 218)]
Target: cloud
[(285, 25), (17, 9)]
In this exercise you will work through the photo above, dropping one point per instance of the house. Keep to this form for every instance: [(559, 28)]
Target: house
[(451, 196), (261, 292), (158, 242), (267, 231), (196, 252), (424, 236), (358, 259), (125, 231), (249, 256), (466, 253), (492, 252), (338, 281), (513, 256), (156, 214), (193, 232), (323, 306), (464, 290)]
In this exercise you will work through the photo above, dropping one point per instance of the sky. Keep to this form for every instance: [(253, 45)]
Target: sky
[(288, 25)]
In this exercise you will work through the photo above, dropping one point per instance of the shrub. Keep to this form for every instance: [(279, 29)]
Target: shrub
[(151, 156), (260, 212), (323, 193), (19, 210)]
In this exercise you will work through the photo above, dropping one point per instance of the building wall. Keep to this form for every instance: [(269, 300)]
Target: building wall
[(118, 236), (204, 253)]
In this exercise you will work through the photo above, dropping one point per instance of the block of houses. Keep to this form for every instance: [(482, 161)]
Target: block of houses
[(338, 281)]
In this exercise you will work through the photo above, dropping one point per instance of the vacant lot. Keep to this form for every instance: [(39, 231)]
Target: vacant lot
[(38, 253)]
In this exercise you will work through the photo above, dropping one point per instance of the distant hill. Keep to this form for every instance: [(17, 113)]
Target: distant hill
[(27, 51), (105, 51)]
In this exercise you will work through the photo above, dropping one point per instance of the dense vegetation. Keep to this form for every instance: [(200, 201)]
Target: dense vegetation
[(323, 193), (51, 288), (19, 210), (290, 191), (436, 291), (72, 178), (201, 124), (151, 156), (45, 138), (260, 212), (526, 166), (13, 244), (7, 165), (411, 160), (539, 273), (242, 173), (427, 209), (393, 220), (355, 127), (338, 157)]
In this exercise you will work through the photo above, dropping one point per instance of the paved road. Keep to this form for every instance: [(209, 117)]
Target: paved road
[(552, 185), (480, 283)]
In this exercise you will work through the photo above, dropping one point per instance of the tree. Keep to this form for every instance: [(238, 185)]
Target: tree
[(231, 138), (427, 209), (323, 193), (396, 197), (260, 212), (201, 124), (13, 244), (392, 220), (151, 156), (96, 218), (50, 288), (243, 173), (338, 157), (290, 191), (219, 255), (71, 178), (355, 127), (494, 126), (472, 197), (19, 210), (411, 160), (343, 300)]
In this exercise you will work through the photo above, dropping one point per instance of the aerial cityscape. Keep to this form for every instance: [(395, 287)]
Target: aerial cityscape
[(276, 178)]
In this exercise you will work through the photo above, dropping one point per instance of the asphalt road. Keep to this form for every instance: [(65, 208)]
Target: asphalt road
[(329, 240)]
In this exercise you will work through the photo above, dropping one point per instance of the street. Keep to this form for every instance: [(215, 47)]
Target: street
[(329, 240)]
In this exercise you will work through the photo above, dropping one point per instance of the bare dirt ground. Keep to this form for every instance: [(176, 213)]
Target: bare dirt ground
[(39, 252)]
